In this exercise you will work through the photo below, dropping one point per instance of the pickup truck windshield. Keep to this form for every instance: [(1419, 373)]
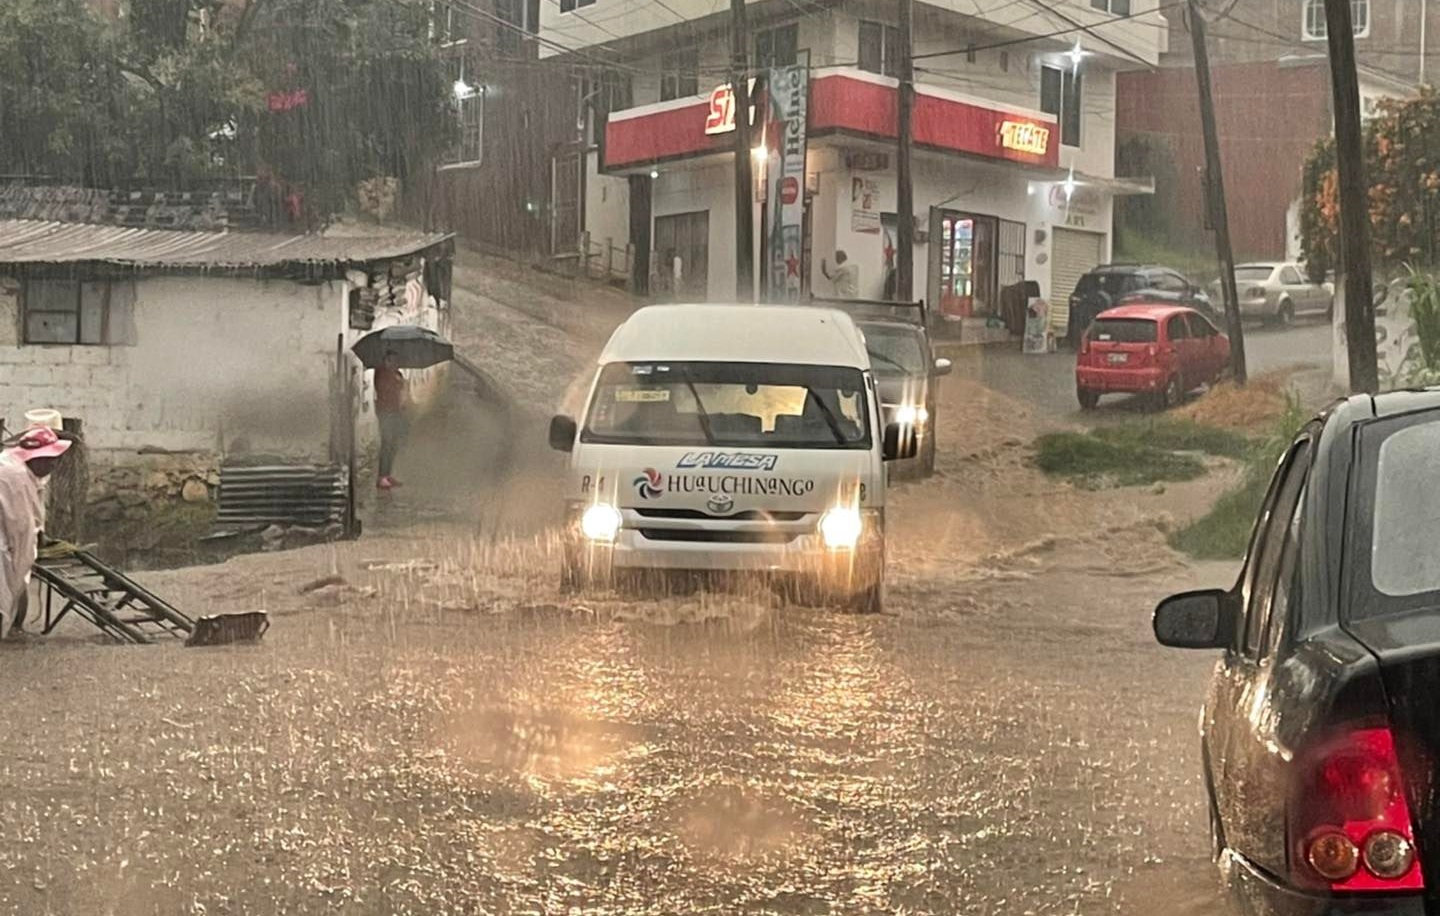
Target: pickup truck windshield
[(729, 404), (894, 349)]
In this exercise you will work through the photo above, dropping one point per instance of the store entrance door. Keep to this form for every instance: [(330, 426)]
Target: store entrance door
[(685, 236), (968, 283)]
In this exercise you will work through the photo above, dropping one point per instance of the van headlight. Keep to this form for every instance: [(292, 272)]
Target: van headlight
[(600, 523), (841, 527), (912, 415)]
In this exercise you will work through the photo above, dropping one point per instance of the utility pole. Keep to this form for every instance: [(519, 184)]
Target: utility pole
[(744, 183), (1215, 194), (905, 191), (1354, 212)]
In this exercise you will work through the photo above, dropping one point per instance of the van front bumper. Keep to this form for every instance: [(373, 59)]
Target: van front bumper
[(791, 550)]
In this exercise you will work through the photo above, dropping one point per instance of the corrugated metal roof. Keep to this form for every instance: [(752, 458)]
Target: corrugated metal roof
[(41, 242)]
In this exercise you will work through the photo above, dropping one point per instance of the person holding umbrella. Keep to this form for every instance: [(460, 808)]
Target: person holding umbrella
[(391, 401), (387, 351)]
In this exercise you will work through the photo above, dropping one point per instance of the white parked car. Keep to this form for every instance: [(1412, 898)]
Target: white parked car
[(1277, 292), (734, 439)]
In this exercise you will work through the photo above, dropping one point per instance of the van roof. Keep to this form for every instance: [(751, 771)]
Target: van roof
[(738, 333)]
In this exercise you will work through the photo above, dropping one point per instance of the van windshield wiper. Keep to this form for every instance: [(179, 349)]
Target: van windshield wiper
[(830, 419), (701, 414)]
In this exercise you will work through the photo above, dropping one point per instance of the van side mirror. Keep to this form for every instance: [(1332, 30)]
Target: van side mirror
[(899, 443), (562, 433), (943, 366), (1196, 620)]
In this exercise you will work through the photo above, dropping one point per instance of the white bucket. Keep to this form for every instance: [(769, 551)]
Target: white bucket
[(46, 417)]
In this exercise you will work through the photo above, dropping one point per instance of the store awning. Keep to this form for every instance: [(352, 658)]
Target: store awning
[(843, 102)]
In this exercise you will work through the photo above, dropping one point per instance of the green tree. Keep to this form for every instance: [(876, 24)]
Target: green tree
[(1402, 162), (317, 96), (58, 92)]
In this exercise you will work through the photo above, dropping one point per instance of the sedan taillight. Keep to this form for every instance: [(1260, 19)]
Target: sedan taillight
[(1350, 826)]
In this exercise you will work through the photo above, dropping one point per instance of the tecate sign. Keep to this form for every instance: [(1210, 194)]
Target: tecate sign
[(1025, 137)]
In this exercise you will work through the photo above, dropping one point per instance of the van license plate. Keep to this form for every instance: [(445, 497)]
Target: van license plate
[(1119, 357)]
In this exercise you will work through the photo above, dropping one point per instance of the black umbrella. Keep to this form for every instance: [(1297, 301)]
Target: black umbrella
[(414, 347)]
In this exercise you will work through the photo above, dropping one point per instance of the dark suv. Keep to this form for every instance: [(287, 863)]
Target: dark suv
[(1108, 284)]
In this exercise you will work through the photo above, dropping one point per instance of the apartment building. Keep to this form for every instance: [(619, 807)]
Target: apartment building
[(1013, 128)]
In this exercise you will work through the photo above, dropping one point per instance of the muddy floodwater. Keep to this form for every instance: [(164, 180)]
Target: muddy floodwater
[(442, 734)]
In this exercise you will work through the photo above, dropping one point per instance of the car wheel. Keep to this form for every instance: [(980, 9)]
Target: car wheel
[(1088, 399), (1172, 394), (1285, 317)]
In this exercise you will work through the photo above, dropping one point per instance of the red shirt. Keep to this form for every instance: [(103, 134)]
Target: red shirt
[(389, 390)]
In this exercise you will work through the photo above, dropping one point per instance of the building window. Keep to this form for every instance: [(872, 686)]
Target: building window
[(469, 148), (1314, 28), (570, 6), (880, 48), (446, 26), (777, 47), (1113, 7), (66, 312), (1060, 96), (679, 77)]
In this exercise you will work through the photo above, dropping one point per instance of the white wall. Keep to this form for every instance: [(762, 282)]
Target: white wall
[(607, 205), (217, 364), (222, 365)]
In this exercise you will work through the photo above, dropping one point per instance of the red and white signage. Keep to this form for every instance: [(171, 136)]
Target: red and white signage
[(844, 103), (721, 117)]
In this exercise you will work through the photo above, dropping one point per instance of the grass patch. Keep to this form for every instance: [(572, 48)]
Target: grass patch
[(1223, 533), (1095, 462), (1178, 435)]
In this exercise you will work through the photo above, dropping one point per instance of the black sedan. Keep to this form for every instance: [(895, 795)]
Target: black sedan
[(1320, 737)]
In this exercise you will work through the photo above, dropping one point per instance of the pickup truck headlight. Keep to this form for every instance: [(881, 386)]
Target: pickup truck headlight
[(600, 523), (912, 415)]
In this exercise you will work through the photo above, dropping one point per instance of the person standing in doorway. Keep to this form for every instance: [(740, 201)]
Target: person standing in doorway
[(846, 276), (23, 469), (391, 403)]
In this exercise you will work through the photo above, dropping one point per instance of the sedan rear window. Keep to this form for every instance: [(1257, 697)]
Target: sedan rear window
[(1253, 274), (1123, 330), (1406, 516)]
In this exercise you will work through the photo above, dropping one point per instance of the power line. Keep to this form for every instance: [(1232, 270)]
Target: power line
[(551, 43), (1089, 31), (1058, 33)]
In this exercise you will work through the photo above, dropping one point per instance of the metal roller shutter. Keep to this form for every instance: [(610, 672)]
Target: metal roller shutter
[(1073, 254)]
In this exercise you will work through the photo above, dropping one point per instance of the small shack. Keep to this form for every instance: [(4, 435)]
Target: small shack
[(185, 353)]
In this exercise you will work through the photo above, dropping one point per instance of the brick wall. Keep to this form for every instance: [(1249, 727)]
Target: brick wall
[(1269, 116)]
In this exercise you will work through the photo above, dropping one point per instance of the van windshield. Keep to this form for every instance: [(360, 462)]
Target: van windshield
[(729, 404)]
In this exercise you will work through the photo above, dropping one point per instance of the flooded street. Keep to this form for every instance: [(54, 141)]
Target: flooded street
[(438, 731)]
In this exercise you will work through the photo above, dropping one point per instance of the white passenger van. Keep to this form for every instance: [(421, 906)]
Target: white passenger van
[(732, 439)]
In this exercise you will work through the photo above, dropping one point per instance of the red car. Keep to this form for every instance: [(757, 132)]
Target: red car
[(1154, 349)]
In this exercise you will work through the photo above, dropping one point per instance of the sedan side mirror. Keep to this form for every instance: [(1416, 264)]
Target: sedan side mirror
[(562, 433), (1195, 620), (899, 443), (943, 366)]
